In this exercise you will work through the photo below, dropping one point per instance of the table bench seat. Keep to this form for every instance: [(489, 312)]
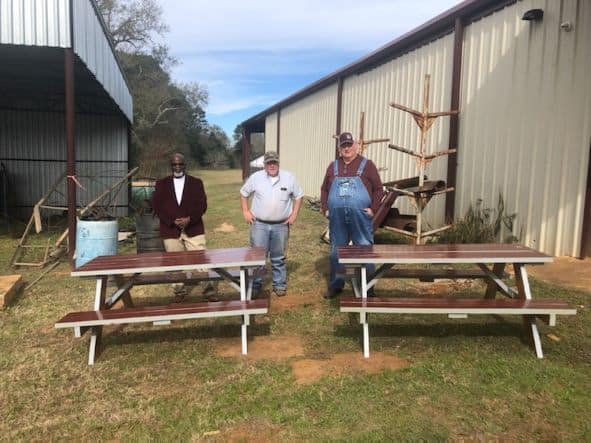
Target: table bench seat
[(455, 306), (546, 310)]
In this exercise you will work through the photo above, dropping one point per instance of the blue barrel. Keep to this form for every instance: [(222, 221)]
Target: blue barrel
[(94, 238)]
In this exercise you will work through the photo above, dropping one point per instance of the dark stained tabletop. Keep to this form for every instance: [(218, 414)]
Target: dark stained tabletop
[(441, 253), (171, 261)]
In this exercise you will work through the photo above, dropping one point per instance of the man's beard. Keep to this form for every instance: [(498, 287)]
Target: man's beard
[(179, 174)]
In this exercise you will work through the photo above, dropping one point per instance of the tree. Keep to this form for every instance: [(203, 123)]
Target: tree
[(168, 117), (133, 24)]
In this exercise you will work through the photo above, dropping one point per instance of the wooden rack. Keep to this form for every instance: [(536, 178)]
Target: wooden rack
[(422, 194)]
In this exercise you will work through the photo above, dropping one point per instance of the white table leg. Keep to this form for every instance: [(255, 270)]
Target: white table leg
[(365, 340), (245, 323), (242, 284), (363, 316), (96, 332), (524, 291), (363, 282)]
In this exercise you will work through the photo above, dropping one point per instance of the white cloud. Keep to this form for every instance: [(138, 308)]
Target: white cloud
[(252, 53)]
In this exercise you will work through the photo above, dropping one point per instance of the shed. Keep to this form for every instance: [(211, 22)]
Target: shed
[(65, 104), (257, 162), (521, 84)]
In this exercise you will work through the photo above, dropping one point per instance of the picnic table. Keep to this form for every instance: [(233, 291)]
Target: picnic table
[(488, 262), (233, 265)]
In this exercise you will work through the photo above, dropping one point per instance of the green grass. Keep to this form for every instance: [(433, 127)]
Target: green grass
[(473, 379)]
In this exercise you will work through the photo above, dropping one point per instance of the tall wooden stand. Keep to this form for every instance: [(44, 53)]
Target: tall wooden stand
[(422, 194)]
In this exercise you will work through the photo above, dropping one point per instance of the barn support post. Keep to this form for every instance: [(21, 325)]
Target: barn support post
[(452, 160), (586, 237), (339, 115), (70, 150), (245, 153)]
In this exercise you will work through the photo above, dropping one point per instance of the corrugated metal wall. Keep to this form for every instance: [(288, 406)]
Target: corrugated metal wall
[(35, 23), (401, 80), (92, 46), (525, 120), (47, 23), (271, 132), (32, 146), (307, 143)]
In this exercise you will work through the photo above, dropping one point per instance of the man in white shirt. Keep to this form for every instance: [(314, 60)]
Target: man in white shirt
[(276, 202)]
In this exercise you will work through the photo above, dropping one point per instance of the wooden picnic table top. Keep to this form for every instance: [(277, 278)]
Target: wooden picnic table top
[(171, 261), (441, 254)]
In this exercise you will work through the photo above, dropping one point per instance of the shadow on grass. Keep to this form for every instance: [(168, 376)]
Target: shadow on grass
[(434, 330), (126, 335)]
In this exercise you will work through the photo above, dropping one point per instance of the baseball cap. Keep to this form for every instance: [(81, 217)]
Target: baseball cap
[(345, 139), (271, 156)]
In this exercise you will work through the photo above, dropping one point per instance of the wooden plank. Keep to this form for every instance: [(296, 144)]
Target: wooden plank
[(441, 254), (172, 261), (9, 287), (160, 313), (456, 306)]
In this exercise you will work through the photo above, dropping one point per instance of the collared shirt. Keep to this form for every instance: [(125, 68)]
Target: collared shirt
[(272, 199), (179, 186)]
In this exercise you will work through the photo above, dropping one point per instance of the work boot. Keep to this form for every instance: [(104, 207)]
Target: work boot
[(280, 292), (209, 292), (180, 293), (332, 293)]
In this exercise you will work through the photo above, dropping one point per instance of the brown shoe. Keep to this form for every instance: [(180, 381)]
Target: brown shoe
[(209, 293), (180, 295)]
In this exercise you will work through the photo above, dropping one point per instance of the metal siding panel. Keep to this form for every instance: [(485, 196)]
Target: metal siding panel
[(35, 23), (93, 48), (307, 143), (525, 120), (401, 80), (271, 132), (32, 145)]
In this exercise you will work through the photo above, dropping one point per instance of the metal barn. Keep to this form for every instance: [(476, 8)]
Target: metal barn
[(65, 105), (517, 70)]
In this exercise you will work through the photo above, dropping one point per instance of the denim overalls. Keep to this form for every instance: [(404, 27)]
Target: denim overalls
[(347, 199)]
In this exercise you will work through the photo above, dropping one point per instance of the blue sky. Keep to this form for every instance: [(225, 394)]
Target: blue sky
[(250, 54)]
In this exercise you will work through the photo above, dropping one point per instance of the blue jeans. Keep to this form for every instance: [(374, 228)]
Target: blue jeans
[(347, 224), (272, 237)]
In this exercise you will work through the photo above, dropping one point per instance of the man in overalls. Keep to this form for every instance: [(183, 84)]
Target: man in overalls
[(350, 195)]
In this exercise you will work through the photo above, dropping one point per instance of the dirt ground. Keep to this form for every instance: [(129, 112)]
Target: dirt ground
[(565, 271)]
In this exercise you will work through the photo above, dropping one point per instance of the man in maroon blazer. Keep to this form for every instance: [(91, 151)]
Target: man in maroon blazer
[(179, 201)]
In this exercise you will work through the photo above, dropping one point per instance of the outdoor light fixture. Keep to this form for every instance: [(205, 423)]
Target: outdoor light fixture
[(533, 15)]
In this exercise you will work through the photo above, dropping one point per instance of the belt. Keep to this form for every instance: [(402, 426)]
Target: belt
[(269, 222)]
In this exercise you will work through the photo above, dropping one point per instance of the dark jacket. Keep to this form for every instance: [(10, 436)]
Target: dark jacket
[(193, 204)]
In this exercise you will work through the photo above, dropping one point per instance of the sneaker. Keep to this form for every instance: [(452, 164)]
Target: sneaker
[(280, 292), (332, 293)]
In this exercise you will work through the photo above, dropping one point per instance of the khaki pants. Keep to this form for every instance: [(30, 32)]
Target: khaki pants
[(186, 243)]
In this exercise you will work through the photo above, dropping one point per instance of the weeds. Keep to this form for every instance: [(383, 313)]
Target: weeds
[(482, 225)]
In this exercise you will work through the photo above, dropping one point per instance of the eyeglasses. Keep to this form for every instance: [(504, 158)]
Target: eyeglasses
[(177, 164)]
